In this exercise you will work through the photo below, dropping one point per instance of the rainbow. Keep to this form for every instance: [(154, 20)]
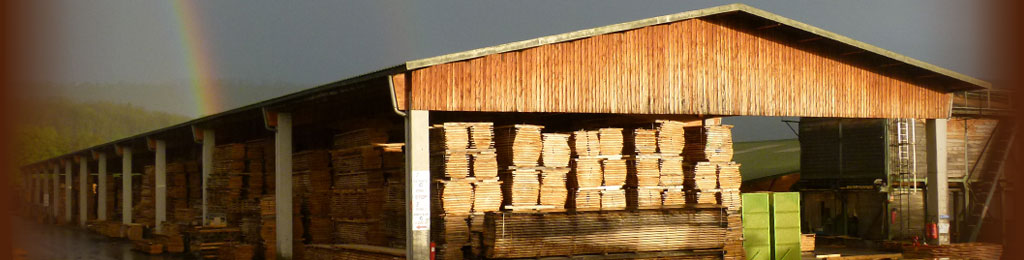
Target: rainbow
[(197, 58)]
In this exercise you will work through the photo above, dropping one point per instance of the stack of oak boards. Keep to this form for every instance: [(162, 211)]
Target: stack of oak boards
[(519, 150), (363, 164), (530, 235), (598, 173), (656, 176), (465, 166), (313, 171), (351, 252)]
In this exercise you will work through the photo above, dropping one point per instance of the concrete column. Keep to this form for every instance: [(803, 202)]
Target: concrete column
[(126, 185), (283, 185), (161, 183), (417, 186), (83, 181), (938, 182), (209, 141), (101, 185), (67, 191), (56, 190)]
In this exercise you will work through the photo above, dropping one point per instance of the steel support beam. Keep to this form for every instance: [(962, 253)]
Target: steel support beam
[(209, 142), (417, 188), (283, 185), (938, 182), (126, 185), (83, 181), (160, 168), (67, 191), (101, 186)]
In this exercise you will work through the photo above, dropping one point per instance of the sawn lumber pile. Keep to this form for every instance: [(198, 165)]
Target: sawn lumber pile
[(466, 184), (519, 235), (954, 251)]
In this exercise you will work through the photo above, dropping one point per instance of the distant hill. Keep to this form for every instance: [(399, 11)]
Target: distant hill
[(767, 158), (56, 126)]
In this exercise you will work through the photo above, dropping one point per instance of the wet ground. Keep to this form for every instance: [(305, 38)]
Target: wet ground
[(37, 241)]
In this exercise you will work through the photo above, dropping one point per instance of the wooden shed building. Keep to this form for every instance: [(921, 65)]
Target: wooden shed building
[(695, 67)]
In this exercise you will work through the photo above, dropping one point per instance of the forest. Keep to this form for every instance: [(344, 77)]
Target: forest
[(55, 126)]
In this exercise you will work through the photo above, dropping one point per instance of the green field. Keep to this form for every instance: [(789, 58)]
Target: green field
[(767, 158)]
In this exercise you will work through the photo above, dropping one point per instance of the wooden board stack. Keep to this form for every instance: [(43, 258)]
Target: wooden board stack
[(225, 182), (702, 178), (598, 172), (519, 150), (555, 157), (177, 192), (729, 181), (709, 143), (364, 166), (656, 174), (145, 210), (533, 235), (352, 252), (465, 170), (976, 250)]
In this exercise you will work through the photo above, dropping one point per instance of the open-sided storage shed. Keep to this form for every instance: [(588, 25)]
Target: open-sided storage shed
[(721, 61)]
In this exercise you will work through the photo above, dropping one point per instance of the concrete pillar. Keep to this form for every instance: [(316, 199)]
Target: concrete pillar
[(101, 186), (126, 185), (83, 181), (209, 142), (67, 191), (283, 185), (56, 191), (938, 182), (417, 187), (161, 183)]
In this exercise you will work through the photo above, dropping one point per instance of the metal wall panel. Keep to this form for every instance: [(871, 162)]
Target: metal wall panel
[(757, 240), (785, 211)]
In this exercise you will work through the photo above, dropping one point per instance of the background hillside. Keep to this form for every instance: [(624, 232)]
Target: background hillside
[(55, 126)]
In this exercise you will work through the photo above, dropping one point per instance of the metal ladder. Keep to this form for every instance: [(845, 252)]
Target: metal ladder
[(906, 149), (906, 169)]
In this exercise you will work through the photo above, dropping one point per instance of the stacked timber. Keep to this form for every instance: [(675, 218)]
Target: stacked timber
[(268, 226), (533, 235), (236, 251), (975, 250), (734, 237), (598, 172), (465, 170), (519, 152), (224, 187), (709, 143), (311, 170), (729, 181), (195, 193), (352, 252), (714, 178), (177, 191), (145, 210), (555, 158), (363, 165), (656, 176)]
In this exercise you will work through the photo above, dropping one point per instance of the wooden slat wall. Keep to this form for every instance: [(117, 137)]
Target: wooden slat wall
[(687, 67)]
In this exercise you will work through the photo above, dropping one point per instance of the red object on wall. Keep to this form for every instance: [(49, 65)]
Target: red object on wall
[(432, 250), (933, 231)]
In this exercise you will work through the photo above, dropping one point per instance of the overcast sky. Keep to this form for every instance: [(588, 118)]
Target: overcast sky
[(284, 46)]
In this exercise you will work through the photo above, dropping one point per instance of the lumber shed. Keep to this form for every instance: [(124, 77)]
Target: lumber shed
[(368, 161)]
